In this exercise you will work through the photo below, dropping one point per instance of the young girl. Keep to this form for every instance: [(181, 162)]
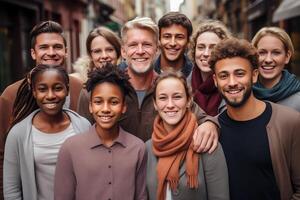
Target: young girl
[(37, 133), (106, 162), (174, 170), (103, 46), (275, 83)]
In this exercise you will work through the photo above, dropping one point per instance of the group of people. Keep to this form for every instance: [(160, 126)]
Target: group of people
[(161, 113)]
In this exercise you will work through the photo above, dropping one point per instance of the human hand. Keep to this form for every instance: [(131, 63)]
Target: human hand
[(205, 137)]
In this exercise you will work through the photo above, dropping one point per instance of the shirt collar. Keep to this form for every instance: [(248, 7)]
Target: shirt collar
[(95, 140)]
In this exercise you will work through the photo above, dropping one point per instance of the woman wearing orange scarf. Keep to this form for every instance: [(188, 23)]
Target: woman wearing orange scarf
[(174, 170)]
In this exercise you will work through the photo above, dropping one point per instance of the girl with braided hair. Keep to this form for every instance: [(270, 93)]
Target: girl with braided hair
[(38, 131)]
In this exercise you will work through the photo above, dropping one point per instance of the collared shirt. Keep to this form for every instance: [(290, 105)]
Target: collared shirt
[(87, 169)]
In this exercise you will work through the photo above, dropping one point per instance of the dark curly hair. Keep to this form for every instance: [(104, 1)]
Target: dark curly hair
[(234, 47), (109, 73)]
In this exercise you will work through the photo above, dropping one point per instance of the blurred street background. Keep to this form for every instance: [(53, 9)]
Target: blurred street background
[(78, 17)]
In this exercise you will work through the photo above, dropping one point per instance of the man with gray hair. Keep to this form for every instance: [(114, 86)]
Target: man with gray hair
[(139, 49)]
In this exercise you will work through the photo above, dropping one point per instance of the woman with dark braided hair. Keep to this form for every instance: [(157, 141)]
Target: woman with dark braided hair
[(38, 131)]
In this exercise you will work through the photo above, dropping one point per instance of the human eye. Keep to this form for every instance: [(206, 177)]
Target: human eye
[(110, 50), (58, 46), (97, 101), (262, 53), (180, 37), (240, 73), (162, 98), (200, 47), (167, 36), (276, 52), (96, 51), (222, 76), (147, 45), (114, 101), (177, 96), (58, 87), (41, 88), (43, 47)]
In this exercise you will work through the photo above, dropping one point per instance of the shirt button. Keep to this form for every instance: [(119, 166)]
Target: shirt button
[(109, 151), (109, 183), (109, 166)]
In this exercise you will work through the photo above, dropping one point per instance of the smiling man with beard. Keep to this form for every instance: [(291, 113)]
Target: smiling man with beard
[(139, 48), (260, 139), (175, 30)]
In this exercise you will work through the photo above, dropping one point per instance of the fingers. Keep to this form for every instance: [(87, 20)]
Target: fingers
[(214, 145)]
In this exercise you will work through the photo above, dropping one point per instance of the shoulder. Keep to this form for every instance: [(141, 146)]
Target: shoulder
[(132, 140), (75, 117), (283, 112), (292, 101), (215, 156), (22, 129), (10, 91)]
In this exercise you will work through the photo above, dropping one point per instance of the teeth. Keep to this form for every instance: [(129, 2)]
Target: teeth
[(267, 67), (234, 91), (170, 113), (105, 118), (50, 105), (140, 59)]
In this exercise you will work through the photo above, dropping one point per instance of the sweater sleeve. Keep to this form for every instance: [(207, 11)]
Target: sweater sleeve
[(12, 186), (216, 175), (202, 116), (65, 180), (295, 161)]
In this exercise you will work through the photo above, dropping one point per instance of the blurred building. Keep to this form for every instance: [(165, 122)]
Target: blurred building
[(154, 9)]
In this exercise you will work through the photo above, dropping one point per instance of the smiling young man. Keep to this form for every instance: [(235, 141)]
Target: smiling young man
[(175, 30), (260, 139)]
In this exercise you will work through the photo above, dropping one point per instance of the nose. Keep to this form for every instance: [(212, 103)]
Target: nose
[(232, 81), (104, 55), (206, 52), (50, 94), (173, 41), (170, 103), (140, 49), (268, 58), (105, 108), (51, 51)]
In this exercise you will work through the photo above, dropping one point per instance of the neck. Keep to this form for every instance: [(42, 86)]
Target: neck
[(205, 75), (141, 81), (270, 83), (167, 64), (52, 119), (108, 136), (246, 111)]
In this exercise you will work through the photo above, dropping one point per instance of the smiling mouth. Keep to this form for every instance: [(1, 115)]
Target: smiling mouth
[(140, 59), (105, 118), (50, 105), (170, 113), (267, 67)]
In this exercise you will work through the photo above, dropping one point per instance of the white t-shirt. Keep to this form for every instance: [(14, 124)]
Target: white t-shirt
[(45, 148)]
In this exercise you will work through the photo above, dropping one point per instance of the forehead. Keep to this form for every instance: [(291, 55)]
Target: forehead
[(49, 38), (170, 85), (140, 35), (174, 29), (100, 41), (270, 41), (49, 75), (107, 89), (229, 65), (208, 37)]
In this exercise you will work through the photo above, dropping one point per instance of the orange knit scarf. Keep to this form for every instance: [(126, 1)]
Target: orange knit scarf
[(171, 149)]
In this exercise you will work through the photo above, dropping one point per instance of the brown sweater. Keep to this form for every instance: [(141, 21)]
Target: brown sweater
[(284, 140)]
